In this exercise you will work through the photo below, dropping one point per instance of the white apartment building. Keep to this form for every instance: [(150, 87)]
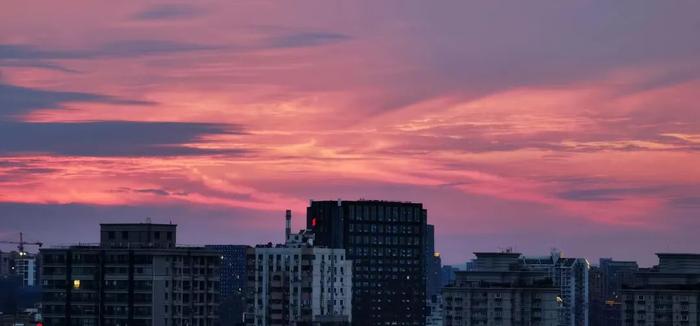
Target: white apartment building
[(298, 284)]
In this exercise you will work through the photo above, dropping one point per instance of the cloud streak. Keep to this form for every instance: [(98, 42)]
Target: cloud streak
[(166, 12), (17, 100), (113, 138)]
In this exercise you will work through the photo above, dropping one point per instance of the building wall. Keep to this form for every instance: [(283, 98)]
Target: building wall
[(233, 283), (500, 306), (135, 285), (571, 276), (93, 286), (666, 295), (660, 307), (24, 265), (432, 264), (386, 242), (298, 285)]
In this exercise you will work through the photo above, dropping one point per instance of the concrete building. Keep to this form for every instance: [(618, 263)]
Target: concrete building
[(135, 276), (386, 242), (433, 264), (615, 273), (500, 291), (470, 266), (606, 282), (298, 284), (666, 295), (433, 286), (232, 284), (570, 275), (447, 275), (21, 264), (7, 263), (595, 296), (435, 315)]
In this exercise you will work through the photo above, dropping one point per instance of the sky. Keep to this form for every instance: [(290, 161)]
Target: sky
[(533, 125)]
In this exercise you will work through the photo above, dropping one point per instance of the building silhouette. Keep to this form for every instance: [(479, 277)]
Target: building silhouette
[(386, 242), (433, 264), (606, 281)]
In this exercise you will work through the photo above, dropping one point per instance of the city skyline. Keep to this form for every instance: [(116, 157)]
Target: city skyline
[(529, 125)]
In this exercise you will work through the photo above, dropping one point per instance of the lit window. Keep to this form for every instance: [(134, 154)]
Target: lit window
[(76, 284)]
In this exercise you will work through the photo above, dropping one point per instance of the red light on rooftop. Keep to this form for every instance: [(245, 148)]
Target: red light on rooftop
[(313, 221)]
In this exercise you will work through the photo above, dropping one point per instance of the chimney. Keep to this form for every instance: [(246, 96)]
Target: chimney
[(288, 225)]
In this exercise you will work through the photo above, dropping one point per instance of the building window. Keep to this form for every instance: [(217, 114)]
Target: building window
[(110, 235), (125, 235)]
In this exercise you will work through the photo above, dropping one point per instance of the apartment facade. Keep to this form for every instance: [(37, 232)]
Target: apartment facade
[(135, 276), (386, 242), (606, 282), (666, 295), (571, 277), (498, 291), (433, 264), (298, 284), (232, 283)]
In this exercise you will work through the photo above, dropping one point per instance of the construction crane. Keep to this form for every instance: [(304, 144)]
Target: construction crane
[(21, 243)]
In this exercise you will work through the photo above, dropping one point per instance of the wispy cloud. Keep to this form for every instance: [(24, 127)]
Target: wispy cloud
[(119, 49), (168, 12), (304, 39), (113, 138), (16, 101)]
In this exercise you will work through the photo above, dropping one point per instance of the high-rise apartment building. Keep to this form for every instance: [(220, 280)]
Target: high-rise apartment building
[(386, 242), (135, 276), (570, 275), (232, 284), (606, 282), (433, 264), (298, 284), (666, 295), (615, 273), (499, 290), (433, 286)]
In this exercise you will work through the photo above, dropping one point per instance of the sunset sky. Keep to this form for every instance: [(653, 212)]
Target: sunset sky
[(525, 124)]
